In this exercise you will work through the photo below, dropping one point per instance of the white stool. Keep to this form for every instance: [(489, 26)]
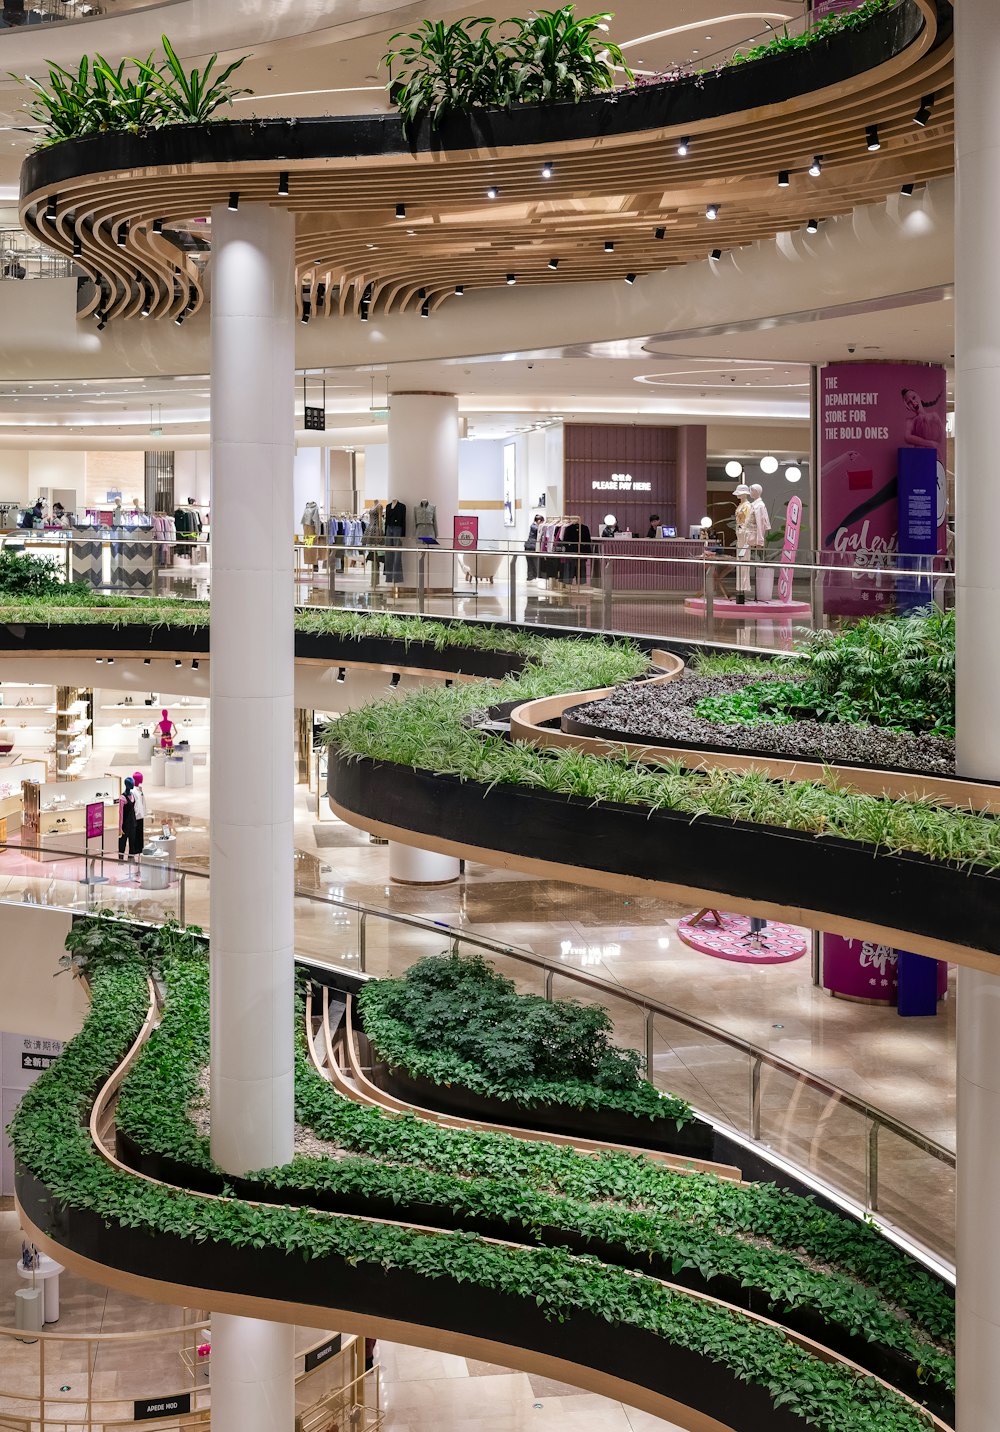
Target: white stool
[(157, 768), (174, 772), (144, 750), (47, 1273), (187, 755)]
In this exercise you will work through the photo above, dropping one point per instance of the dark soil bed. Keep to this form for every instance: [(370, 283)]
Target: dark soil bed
[(664, 715)]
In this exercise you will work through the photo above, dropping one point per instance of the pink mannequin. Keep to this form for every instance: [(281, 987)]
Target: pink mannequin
[(167, 731)]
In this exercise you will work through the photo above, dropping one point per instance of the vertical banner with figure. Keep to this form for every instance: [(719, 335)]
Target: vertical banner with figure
[(868, 413)]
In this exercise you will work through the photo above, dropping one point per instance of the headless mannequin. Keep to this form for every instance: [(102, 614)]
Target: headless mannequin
[(167, 731), (760, 522)]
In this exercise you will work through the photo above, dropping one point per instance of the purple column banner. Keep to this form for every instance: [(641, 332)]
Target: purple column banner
[(868, 411), (95, 820)]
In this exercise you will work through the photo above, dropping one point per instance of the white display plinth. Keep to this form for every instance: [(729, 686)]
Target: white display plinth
[(29, 1311), (144, 750), (174, 773), (157, 768), (46, 1274)]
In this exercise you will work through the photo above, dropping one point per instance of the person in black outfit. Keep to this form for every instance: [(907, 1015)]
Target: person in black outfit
[(654, 526), (128, 834)]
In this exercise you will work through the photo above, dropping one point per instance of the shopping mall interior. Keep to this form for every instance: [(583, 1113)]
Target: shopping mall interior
[(498, 614)]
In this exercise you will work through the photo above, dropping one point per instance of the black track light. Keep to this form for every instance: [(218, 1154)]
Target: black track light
[(177, 661), (306, 313), (609, 246), (907, 189), (872, 141), (77, 246), (234, 201), (320, 294), (812, 227), (394, 680), (421, 293), (511, 280), (180, 318), (283, 184), (400, 211), (194, 664), (553, 263), (783, 179), (157, 226), (716, 254), (460, 290), (547, 171), (816, 167), (122, 234), (111, 661), (923, 114), (342, 674), (52, 208), (147, 303), (493, 192), (425, 308), (146, 661), (630, 278), (712, 212), (363, 313), (99, 660), (659, 233), (449, 684), (683, 146)]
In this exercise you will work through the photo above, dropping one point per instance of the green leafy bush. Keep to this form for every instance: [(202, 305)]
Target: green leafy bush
[(22, 575), (896, 673), (456, 1020)]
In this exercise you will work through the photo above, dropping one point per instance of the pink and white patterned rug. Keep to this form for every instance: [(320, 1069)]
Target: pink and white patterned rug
[(730, 940)]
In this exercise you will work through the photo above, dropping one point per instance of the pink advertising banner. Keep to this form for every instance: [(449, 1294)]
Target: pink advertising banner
[(793, 522), (95, 820), (466, 533), (868, 412), (862, 969)]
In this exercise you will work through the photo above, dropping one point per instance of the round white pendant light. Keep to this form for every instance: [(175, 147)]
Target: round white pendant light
[(769, 465), (734, 468), (793, 474)]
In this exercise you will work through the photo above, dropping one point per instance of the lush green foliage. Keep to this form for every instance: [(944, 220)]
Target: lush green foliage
[(134, 95), (630, 1209), (547, 57), (22, 575), (454, 1019), (823, 29), (897, 673)]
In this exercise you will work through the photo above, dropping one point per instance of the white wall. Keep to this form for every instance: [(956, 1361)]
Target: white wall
[(480, 487), (31, 941), (308, 481), (14, 477), (193, 477), (376, 479)]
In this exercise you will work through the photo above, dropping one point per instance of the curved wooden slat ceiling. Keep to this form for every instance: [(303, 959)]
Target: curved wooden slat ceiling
[(619, 189)]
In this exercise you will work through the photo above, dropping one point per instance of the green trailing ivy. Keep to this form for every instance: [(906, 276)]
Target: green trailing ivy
[(455, 1020)]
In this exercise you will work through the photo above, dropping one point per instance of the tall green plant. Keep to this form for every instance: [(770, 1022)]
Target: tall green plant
[(194, 97), (555, 57), (447, 67)]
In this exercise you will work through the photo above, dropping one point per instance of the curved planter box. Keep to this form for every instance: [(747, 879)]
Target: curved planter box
[(900, 1371), (779, 78), (911, 893), (383, 651), (620, 1351), (694, 1140), (96, 636)]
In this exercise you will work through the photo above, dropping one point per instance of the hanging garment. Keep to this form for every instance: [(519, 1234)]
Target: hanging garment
[(312, 527), (574, 538), (425, 522), (395, 531)]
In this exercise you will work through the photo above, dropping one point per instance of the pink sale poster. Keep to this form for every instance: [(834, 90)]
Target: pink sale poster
[(868, 411)]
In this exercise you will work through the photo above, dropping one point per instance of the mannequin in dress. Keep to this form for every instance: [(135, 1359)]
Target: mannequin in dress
[(760, 522), (425, 522), (312, 526), (395, 531), (744, 537), (167, 731)]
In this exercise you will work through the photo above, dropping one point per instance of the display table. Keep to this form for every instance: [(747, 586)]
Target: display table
[(175, 776), (158, 767), (186, 754), (685, 572), (154, 868), (47, 1275)]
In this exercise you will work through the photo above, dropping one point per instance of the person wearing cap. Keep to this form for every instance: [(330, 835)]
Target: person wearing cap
[(744, 540)]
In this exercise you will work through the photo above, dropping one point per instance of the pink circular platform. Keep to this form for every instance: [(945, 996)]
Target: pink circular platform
[(779, 944), (725, 607)]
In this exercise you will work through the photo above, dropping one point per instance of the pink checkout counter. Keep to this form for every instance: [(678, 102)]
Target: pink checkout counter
[(683, 573)]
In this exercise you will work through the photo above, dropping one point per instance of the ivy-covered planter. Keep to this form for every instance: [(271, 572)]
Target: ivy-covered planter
[(367, 1291), (936, 899)]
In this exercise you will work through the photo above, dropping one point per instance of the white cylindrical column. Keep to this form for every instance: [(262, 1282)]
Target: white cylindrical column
[(977, 369), (253, 1389), (252, 778), (423, 466), (410, 866)]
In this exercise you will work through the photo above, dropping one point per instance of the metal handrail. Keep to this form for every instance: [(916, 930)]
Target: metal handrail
[(759, 1057)]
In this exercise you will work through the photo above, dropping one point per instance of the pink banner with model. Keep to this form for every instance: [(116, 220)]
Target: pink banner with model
[(868, 411)]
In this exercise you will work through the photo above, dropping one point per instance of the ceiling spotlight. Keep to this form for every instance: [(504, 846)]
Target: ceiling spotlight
[(342, 674), (425, 309), (157, 226), (306, 313), (493, 192), (177, 661), (180, 318), (872, 141), (511, 280), (102, 322), (122, 234), (111, 661), (146, 661), (194, 664), (100, 661), (923, 114), (783, 179), (716, 254), (816, 167), (734, 468), (234, 201), (793, 473), (812, 227), (609, 246), (394, 680), (77, 246), (400, 211), (460, 290), (51, 208), (659, 233), (147, 304), (547, 171), (682, 147), (769, 465), (630, 278), (320, 294), (553, 263), (363, 312), (907, 189), (712, 212), (449, 684), (283, 185)]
